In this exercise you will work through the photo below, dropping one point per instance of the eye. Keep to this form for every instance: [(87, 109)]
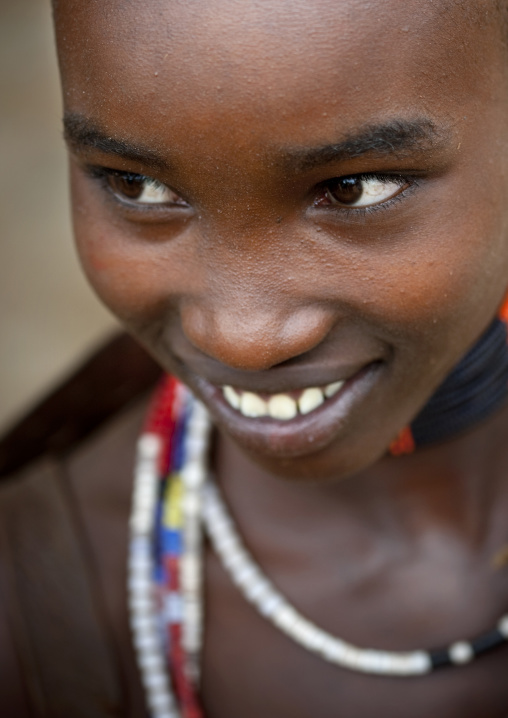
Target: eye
[(362, 190), (139, 189)]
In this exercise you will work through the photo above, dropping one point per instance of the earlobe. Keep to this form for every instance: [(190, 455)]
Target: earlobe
[(403, 444), (503, 311)]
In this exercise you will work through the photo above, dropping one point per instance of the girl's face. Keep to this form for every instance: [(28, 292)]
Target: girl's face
[(277, 196)]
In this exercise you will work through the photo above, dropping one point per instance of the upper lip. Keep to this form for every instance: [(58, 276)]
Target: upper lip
[(316, 369), (278, 379)]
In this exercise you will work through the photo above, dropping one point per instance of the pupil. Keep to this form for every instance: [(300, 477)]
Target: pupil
[(130, 186), (348, 190)]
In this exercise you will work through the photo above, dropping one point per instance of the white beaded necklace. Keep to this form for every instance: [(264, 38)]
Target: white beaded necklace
[(145, 627), (260, 592), (203, 506), (145, 630)]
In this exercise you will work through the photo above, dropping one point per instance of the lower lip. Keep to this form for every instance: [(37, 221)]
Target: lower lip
[(300, 436)]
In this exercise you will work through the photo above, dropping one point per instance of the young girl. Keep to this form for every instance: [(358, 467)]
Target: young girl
[(299, 208)]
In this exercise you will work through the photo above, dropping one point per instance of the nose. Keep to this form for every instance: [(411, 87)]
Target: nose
[(254, 335)]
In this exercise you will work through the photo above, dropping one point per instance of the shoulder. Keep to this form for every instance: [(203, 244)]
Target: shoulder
[(63, 537), (107, 381)]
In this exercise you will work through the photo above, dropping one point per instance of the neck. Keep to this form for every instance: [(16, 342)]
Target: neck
[(457, 486)]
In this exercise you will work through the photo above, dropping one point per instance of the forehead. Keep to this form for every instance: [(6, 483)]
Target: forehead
[(208, 63)]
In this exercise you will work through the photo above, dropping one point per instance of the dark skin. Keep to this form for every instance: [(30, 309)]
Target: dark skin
[(251, 273)]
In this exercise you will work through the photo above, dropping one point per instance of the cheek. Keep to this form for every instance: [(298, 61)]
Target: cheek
[(117, 273), (451, 288), (136, 277), (449, 301), (123, 276), (451, 269)]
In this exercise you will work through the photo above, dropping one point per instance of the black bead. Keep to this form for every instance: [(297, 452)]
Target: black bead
[(487, 642), (440, 658)]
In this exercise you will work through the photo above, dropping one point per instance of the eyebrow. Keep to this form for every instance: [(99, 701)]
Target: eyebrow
[(79, 131), (399, 137)]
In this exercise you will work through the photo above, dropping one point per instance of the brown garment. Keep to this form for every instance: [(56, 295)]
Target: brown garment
[(64, 640)]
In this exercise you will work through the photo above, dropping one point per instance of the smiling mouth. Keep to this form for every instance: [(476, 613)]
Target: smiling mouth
[(293, 423), (281, 406)]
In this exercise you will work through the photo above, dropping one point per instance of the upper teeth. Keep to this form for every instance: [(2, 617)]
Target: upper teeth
[(310, 400), (279, 406), (282, 406)]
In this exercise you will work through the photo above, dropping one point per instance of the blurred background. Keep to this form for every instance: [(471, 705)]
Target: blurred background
[(49, 318)]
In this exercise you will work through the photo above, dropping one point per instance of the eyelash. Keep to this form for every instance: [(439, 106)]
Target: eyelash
[(346, 212), (102, 174)]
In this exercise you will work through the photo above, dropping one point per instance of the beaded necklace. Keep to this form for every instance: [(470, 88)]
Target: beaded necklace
[(173, 501), (164, 586)]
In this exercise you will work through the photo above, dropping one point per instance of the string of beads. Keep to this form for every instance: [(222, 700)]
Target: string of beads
[(171, 499)]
